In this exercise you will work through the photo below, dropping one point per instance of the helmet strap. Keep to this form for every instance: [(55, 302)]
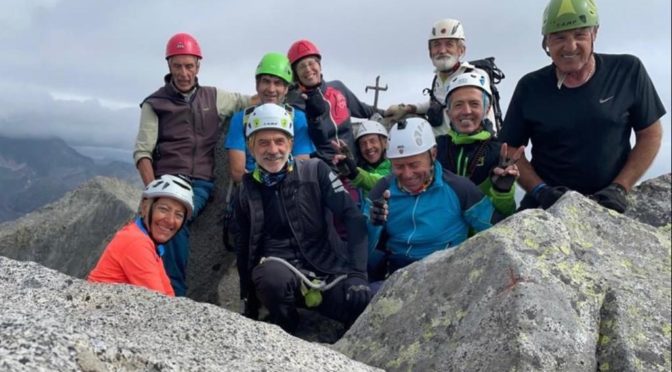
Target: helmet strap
[(544, 47), (148, 220)]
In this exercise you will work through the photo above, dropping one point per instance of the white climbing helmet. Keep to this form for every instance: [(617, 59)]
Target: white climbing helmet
[(470, 79), (447, 29), (269, 116), (410, 137), (173, 187), (370, 127)]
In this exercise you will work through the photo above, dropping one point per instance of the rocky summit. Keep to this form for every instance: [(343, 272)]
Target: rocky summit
[(70, 234), (50, 321), (651, 201), (574, 288)]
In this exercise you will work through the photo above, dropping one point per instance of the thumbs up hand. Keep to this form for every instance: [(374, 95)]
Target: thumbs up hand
[(380, 210)]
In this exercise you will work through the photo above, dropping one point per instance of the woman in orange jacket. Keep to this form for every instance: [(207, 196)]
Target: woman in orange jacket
[(134, 254)]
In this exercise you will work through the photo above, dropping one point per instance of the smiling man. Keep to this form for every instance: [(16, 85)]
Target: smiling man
[(273, 77), (284, 209), (447, 47), (179, 128), (370, 163), (469, 149), (579, 113), (422, 207)]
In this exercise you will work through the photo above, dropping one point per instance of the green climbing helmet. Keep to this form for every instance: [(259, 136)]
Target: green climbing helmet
[(562, 15), (275, 64)]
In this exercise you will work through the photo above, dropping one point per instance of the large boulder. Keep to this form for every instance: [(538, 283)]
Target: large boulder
[(651, 201), (51, 321), (70, 234), (574, 288), (209, 261)]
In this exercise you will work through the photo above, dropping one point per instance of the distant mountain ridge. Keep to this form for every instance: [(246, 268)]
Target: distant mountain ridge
[(34, 172)]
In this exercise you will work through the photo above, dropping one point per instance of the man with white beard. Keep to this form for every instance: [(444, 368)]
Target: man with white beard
[(447, 47)]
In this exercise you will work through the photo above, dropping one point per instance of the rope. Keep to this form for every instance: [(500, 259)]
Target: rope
[(322, 285)]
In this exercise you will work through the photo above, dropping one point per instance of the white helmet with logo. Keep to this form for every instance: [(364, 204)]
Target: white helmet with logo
[(370, 127), (410, 137), (269, 116), (173, 187), (447, 29), (470, 79)]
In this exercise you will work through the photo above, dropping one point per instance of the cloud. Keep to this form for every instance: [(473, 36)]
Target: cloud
[(22, 13), (78, 121), (98, 55)]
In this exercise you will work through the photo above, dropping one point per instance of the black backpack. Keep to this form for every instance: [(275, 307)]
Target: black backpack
[(494, 73)]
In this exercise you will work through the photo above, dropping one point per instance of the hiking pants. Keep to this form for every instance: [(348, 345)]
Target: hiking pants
[(279, 290)]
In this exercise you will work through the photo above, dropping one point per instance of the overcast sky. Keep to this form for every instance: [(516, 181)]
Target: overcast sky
[(77, 69)]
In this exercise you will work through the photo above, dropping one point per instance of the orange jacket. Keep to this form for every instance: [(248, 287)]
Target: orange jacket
[(131, 258)]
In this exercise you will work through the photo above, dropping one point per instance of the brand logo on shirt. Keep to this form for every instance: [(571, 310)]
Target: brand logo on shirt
[(336, 184), (603, 100), (338, 105)]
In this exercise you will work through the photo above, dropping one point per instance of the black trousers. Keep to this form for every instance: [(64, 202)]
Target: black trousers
[(279, 290)]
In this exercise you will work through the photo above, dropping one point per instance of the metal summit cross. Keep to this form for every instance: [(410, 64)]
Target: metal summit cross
[(377, 88)]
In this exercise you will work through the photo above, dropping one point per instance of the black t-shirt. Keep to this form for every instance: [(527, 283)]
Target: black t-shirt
[(581, 136)]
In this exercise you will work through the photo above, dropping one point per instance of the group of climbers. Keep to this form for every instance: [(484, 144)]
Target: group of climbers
[(325, 212)]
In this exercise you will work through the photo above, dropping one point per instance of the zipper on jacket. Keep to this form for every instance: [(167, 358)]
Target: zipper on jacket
[(408, 241), (461, 163), (193, 133), (278, 195), (331, 116)]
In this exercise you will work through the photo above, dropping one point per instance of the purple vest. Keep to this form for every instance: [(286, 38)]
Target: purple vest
[(188, 131)]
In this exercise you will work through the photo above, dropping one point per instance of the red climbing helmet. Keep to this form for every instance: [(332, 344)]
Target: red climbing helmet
[(183, 43), (300, 49)]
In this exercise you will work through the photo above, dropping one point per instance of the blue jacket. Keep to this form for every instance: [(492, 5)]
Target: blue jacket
[(437, 218)]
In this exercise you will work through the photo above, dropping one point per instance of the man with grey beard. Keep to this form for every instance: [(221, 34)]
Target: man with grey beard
[(447, 47), (289, 253)]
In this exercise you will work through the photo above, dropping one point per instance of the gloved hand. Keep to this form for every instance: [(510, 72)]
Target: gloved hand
[(612, 197), (435, 114), (357, 293), (502, 182), (379, 209), (344, 160), (316, 104), (395, 113), (547, 196), (505, 173)]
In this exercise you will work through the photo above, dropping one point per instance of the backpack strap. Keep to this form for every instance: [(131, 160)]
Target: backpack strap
[(496, 76), (430, 91), (290, 110), (246, 114)]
